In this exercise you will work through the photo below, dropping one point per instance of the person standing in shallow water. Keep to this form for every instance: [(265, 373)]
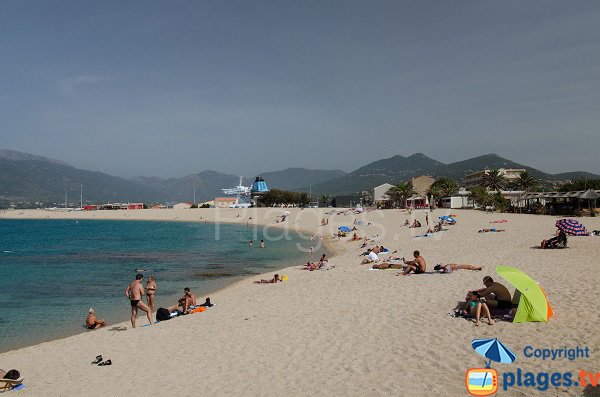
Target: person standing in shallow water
[(262, 243), (134, 293), (151, 292)]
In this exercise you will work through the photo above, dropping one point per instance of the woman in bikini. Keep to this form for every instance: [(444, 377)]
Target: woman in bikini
[(150, 292)]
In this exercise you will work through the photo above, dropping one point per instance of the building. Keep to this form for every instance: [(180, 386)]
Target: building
[(476, 178), (460, 200), (224, 202), (421, 184), (182, 206), (380, 198)]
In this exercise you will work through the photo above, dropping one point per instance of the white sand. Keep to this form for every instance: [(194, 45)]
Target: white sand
[(342, 332)]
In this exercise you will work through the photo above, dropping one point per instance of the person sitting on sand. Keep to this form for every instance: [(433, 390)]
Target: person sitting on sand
[(406, 222), (475, 306), (323, 259), (418, 265), (91, 322), (452, 267), (370, 257), (495, 294), (491, 230), (186, 302), (274, 280), (354, 237), (560, 239), (415, 224)]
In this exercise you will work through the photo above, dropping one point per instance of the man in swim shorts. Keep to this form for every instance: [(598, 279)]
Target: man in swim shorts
[(418, 265), (134, 292), (496, 295)]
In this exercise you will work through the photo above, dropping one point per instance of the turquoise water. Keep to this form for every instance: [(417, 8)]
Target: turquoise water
[(54, 270)]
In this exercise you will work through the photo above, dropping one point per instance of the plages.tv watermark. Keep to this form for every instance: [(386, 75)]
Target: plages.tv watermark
[(282, 223), (486, 381)]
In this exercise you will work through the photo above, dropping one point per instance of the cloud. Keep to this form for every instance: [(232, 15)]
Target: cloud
[(68, 86)]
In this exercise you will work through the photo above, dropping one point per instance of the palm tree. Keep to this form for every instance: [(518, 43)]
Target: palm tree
[(434, 193), (400, 193), (494, 180), (480, 196), (525, 182), (447, 186), (325, 199)]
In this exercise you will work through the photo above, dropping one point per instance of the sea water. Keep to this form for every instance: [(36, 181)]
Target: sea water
[(53, 271)]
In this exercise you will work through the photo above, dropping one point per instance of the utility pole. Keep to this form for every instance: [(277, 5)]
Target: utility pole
[(81, 196), (194, 194), (65, 198)]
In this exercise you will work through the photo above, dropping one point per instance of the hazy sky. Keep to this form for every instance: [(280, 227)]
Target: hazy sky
[(170, 88)]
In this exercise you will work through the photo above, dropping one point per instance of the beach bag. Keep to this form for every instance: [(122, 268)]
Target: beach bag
[(162, 314)]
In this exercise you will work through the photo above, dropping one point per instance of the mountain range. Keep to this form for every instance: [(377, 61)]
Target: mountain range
[(31, 178)]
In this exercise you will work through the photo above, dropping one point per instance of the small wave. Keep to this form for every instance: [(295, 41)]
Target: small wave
[(7, 252)]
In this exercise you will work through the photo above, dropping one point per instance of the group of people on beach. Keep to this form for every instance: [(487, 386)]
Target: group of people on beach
[(135, 292), (494, 297)]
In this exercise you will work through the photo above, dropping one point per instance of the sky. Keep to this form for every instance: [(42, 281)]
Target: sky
[(171, 88)]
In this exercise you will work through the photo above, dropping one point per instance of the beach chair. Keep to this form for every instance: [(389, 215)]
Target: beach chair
[(9, 384)]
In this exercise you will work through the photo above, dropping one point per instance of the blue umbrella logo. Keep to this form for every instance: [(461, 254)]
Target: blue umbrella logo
[(493, 350)]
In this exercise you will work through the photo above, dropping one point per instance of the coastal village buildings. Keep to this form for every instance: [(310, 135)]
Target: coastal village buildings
[(476, 178), (380, 198), (224, 202)]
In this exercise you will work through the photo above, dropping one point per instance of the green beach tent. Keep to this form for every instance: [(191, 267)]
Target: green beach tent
[(534, 305)]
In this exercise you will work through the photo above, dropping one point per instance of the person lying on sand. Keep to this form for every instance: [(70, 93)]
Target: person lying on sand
[(274, 280), (492, 230), (390, 264), (452, 267), (418, 265), (91, 322), (496, 295), (475, 306), (370, 257)]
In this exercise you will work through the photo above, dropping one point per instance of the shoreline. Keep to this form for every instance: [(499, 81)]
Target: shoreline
[(121, 215), (346, 331)]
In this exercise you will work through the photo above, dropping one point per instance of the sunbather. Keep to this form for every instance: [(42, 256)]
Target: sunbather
[(274, 280), (475, 306), (452, 267), (418, 265), (558, 241), (415, 224), (496, 295), (91, 322), (370, 257), (354, 237), (391, 264), (492, 230)]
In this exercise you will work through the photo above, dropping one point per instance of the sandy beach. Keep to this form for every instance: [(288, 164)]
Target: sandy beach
[(347, 331)]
